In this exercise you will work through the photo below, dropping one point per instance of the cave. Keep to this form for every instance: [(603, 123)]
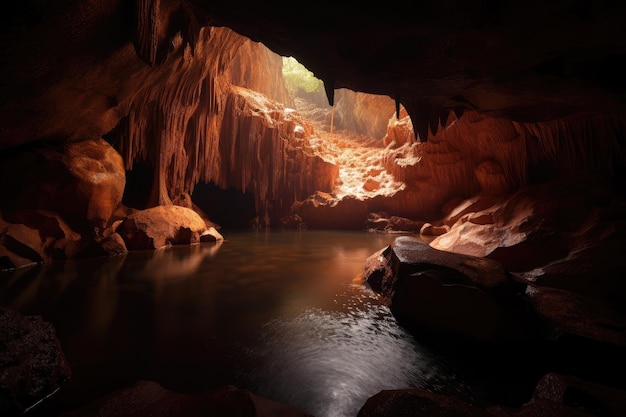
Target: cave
[(430, 221)]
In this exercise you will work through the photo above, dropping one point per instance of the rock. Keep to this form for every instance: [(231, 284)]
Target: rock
[(211, 235), (559, 395), (399, 130), (110, 245), (564, 313), (429, 229), (324, 211), (417, 402), (293, 221), (149, 399), (35, 236), (371, 185), (161, 226), (383, 222), (452, 296), (81, 181), (32, 363)]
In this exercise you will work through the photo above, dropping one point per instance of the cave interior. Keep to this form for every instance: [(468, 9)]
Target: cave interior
[(495, 131)]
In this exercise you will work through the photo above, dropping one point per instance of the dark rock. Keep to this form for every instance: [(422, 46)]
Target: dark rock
[(566, 395), (564, 313), (32, 364), (417, 402), (452, 295), (149, 399)]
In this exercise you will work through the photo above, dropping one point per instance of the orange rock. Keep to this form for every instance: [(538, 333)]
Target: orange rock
[(82, 181), (162, 226)]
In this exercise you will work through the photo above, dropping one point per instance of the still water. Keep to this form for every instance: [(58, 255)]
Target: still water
[(278, 313)]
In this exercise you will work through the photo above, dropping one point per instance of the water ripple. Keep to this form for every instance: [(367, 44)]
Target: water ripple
[(329, 362)]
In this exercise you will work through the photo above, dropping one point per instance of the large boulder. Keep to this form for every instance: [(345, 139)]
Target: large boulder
[(32, 363), (82, 181), (162, 226), (457, 297)]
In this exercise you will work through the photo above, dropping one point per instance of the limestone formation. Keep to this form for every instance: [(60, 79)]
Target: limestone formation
[(162, 226)]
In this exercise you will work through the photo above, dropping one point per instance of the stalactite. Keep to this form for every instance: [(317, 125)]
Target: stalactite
[(170, 118), (146, 30), (207, 130), (329, 87)]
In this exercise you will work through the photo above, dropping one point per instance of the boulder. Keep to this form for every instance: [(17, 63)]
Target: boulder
[(211, 235), (457, 297), (81, 181), (162, 226), (32, 363)]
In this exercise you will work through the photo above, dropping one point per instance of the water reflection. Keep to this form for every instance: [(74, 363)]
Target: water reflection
[(274, 312), (331, 362)]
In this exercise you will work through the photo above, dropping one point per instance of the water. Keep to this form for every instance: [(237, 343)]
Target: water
[(280, 313)]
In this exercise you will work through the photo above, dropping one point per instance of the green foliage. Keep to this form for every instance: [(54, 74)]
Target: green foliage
[(297, 77)]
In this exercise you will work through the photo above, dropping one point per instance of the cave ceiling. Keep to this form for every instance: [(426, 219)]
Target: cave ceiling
[(529, 61), (525, 61)]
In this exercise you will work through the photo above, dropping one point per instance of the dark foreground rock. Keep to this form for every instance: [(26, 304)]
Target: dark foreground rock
[(32, 364), (555, 396), (149, 399)]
